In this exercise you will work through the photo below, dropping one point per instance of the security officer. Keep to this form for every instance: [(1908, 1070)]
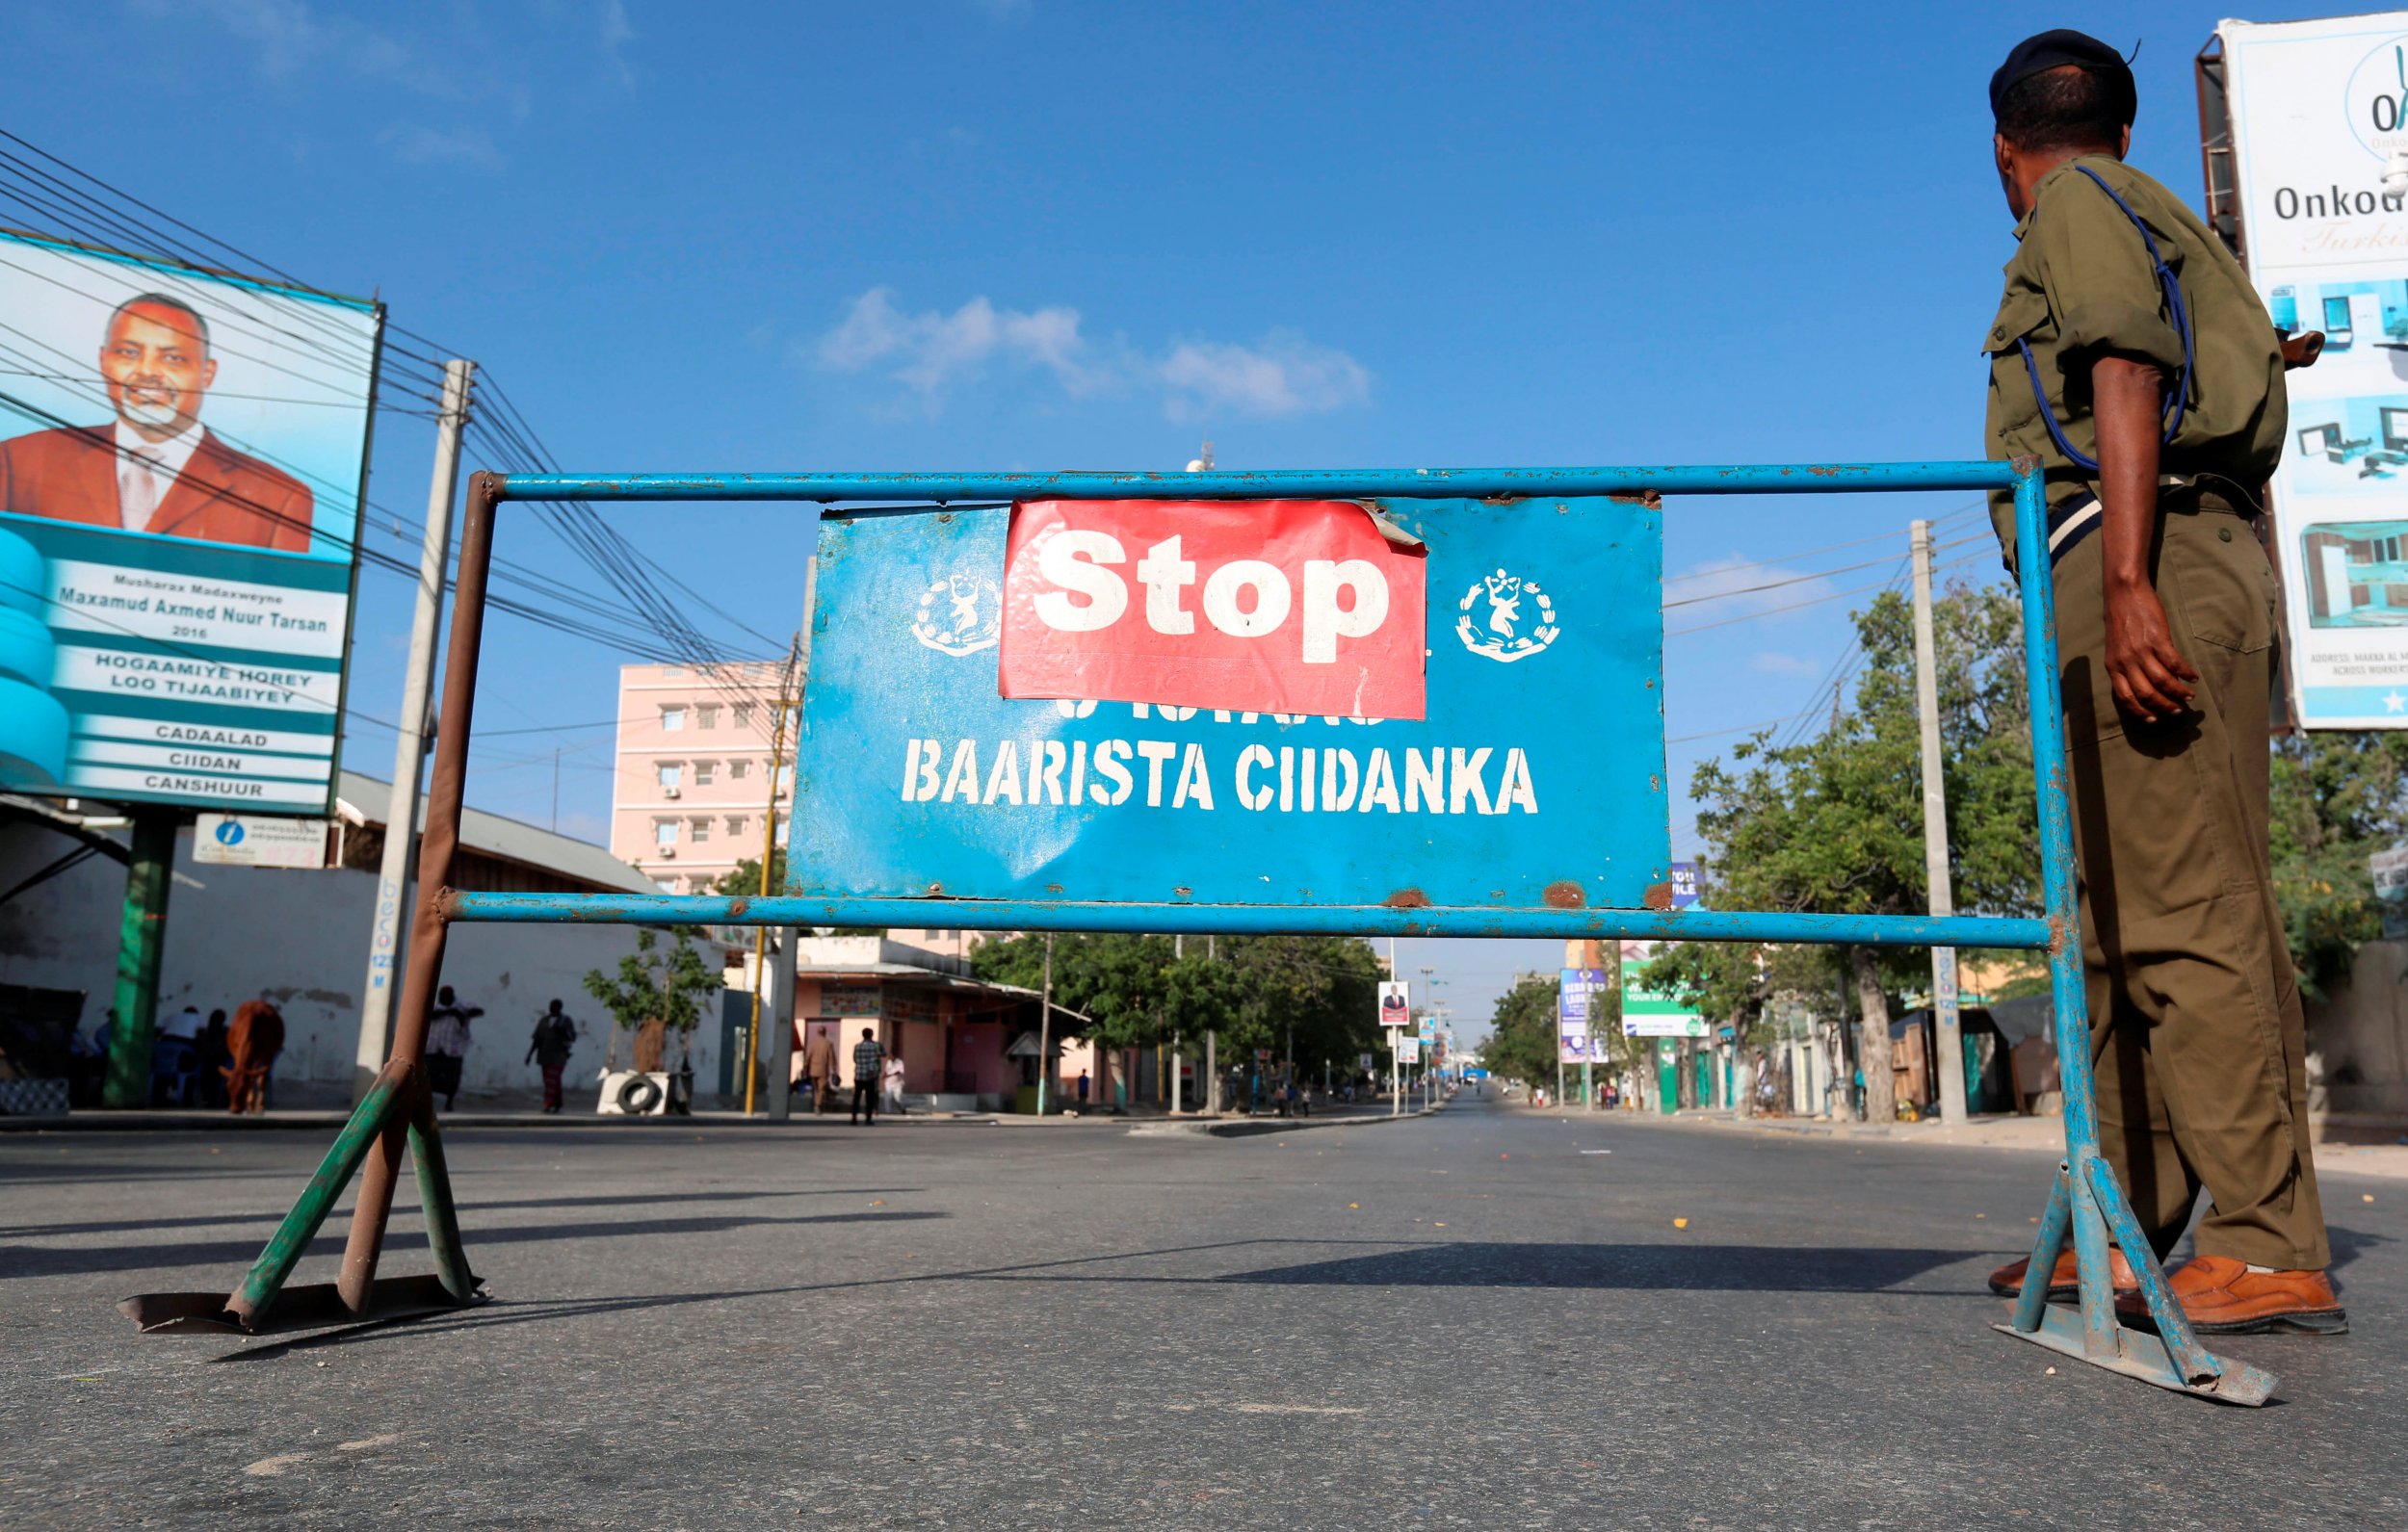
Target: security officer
[(2132, 356)]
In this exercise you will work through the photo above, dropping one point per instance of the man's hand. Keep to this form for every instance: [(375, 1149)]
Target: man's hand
[(2148, 675)]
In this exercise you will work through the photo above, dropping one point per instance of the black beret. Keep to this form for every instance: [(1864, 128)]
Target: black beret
[(2054, 50)]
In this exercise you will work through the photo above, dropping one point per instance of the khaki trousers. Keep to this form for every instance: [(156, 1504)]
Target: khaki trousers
[(2197, 1031)]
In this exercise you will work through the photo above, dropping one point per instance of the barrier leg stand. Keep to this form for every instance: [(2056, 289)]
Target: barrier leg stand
[(2087, 1201), (399, 1113), (2055, 1226), (434, 1201)]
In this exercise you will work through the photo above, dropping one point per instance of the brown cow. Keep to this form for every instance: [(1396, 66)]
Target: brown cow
[(253, 1041)]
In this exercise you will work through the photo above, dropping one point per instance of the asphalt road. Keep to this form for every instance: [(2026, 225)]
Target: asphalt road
[(1484, 1320)]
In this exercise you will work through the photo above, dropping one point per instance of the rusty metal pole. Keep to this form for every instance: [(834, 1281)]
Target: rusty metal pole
[(445, 790)]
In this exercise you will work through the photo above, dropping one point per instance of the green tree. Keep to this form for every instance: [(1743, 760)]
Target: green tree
[(1835, 823), (2337, 797), (1521, 1042), (656, 993)]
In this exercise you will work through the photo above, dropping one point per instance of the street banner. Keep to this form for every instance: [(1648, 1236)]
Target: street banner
[(1408, 1048), (1576, 995), (246, 840), (181, 461), (922, 775), (1277, 606), (1684, 885), (2318, 110), (1395, 1004), (1648, 1012)]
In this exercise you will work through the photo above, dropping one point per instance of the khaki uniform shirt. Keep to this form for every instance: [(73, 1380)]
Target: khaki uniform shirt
[(2080, 286)]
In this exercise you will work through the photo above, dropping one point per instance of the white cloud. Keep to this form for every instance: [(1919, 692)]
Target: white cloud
[(931, 353), (415, 144), (1286, 374), (616, 33), (1722, 589), (1782, 663)]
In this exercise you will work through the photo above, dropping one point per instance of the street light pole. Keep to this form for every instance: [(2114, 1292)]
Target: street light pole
[(1045, 1027)]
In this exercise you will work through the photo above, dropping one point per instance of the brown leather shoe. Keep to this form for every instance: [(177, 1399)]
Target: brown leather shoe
[(2064, 1281), (2221, 1296)]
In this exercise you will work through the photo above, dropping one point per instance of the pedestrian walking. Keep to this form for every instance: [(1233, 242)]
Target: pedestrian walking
[(253, 1042), (447, 1044), (891, 1083), (2133, 357), (1083, 1087), (868, 1058), (555, 1039), (819, 1070)]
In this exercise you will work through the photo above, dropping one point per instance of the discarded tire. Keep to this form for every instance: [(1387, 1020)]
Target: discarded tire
[(639, 1096)]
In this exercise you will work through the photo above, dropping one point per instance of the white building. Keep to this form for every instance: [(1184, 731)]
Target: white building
[(299, 939)]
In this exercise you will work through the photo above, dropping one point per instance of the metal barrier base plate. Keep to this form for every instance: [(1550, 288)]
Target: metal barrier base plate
[(310, 1307), (2142, 1356)]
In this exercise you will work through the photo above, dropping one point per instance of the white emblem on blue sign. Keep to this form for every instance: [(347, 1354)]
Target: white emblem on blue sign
[(960, 614), (229, 833), (1492, 621)]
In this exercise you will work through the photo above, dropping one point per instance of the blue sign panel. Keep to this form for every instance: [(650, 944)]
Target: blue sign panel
[(1537, 779)]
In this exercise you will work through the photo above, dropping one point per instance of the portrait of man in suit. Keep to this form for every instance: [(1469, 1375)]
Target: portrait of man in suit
[(155, 467)]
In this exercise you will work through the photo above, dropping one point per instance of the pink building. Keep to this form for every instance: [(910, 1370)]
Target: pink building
[(690, 790)]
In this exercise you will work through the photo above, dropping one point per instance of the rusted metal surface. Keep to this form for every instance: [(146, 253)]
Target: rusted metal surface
[(1345, 484), (1406, 912)]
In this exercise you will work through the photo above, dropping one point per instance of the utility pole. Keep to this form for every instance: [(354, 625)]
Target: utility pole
[(1949, 1066), (400, 815), (1178, 1055), (1045, 1028), (768, 848)]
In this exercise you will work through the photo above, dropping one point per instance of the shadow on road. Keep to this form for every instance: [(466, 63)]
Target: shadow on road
[(1692, 1269), (23, 1260)]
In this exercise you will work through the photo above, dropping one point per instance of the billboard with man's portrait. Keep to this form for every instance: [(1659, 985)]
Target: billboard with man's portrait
[(181, 461)]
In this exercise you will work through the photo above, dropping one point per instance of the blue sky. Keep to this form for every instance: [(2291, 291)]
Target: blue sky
[(1000, 233)]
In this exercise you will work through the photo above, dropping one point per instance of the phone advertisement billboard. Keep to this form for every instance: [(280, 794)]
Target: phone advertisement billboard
[(182, 455), (2317, 118)]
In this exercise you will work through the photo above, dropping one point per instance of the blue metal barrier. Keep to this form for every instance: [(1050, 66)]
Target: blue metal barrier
[(2086, 1204)]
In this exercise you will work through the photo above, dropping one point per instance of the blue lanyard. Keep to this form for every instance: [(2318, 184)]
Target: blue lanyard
[(2174, 308)]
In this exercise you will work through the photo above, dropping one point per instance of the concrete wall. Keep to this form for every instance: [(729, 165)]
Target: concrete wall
[(301, 939), (2358, 1036)]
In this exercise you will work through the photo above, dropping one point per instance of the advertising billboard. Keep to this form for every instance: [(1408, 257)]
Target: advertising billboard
[(182, 456), (1395, 1004), (2318, 116), (1576, 1042), (1648, 1012)]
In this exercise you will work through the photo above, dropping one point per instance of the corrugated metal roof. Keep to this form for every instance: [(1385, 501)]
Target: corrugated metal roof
[(363, 801)]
